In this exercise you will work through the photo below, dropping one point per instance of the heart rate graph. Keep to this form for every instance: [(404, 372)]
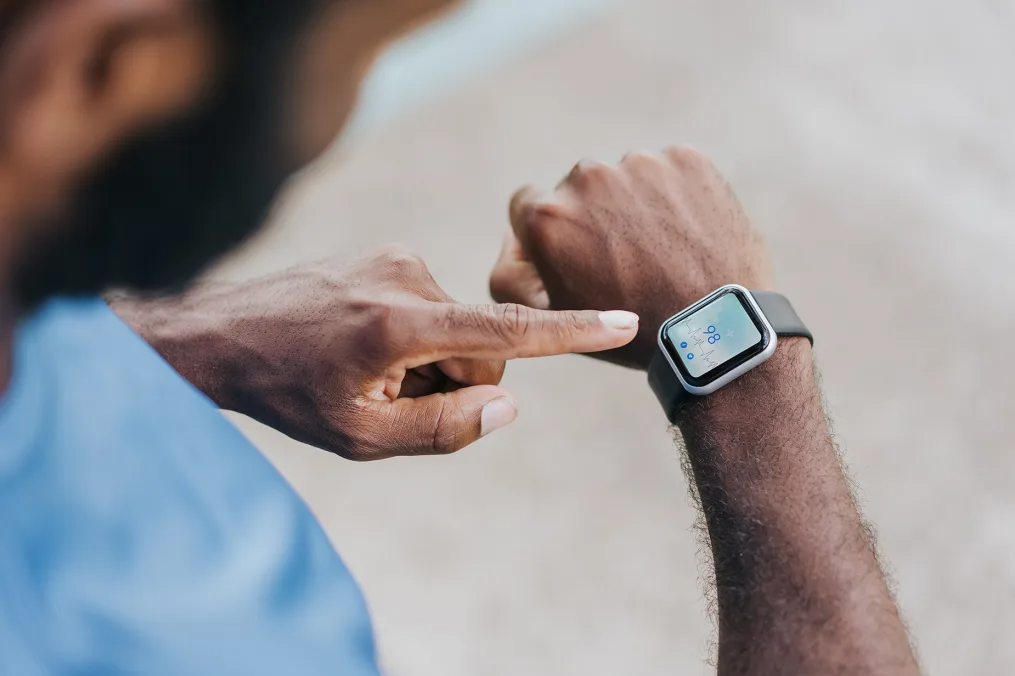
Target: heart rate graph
[(701, 341)]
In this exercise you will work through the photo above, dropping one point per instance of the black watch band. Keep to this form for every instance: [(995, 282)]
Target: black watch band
[(779, 312)]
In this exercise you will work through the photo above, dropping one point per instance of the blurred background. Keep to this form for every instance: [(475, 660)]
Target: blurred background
[(872, 142)]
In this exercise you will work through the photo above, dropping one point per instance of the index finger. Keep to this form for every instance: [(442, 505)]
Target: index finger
[(517, 332)]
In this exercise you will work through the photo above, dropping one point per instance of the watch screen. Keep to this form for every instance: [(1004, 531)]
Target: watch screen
[(714, 335)]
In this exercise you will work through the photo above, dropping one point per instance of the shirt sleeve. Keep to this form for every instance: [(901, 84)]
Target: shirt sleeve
[(142, 534)]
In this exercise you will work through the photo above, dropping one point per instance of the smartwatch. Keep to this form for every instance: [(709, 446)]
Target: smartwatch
[(717, 340)]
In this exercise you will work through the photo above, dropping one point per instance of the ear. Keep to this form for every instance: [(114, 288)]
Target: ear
[(79, 77)]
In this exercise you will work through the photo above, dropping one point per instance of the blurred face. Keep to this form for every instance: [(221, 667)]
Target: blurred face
[(140, 140)]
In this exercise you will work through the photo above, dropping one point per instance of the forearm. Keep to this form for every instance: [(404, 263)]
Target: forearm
[(189, 335), (798, 586)]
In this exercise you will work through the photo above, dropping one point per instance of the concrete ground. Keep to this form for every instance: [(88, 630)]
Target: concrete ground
[(873, 142)]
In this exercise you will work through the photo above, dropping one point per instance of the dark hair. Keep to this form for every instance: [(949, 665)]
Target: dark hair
[(172, 199)]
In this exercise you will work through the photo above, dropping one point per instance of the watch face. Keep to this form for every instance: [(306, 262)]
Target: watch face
[(710, 341)]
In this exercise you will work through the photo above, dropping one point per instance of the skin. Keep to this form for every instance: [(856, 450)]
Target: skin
[(54, 125), (425, 370), (798, 589), (386, 364)]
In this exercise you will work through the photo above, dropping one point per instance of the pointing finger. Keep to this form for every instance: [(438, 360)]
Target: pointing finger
[(517, 332)]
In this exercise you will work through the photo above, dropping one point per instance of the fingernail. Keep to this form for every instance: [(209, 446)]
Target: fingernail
[(619, 320), (497, 414), (542, 301)]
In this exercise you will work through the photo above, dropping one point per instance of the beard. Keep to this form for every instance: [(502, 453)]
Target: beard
[(154, 217), (159, 209)]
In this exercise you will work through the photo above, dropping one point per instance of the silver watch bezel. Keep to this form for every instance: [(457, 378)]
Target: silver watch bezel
[(744, 368)]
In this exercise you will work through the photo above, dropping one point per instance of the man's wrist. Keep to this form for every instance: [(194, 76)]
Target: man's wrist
[(189, 335), (763, 396)]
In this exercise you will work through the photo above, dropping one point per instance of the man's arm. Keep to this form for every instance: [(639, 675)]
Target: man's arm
[(369, 359), (798, 588), (188, 331)]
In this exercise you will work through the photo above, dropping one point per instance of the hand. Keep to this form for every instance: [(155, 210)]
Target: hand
[(653, 235), (370, 360)]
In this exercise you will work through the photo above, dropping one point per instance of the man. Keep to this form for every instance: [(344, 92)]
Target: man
[(142, 534)]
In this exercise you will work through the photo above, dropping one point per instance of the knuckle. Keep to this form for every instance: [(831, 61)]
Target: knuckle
[(543, 212), (686, 156), (520, 202), (380, 323), (390, 251), (589, 170), (640, 158), (402, 261), (544, 219), (513, 322)]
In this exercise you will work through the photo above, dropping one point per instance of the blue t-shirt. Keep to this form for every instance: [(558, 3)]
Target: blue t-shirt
[(140, 533)]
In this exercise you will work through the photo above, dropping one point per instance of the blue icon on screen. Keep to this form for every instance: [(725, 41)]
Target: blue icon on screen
[(683, 346), (690, 357)]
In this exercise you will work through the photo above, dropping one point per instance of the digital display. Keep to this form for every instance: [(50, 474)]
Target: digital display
[(714, 335)]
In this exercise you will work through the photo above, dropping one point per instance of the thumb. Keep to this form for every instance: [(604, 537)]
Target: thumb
[(446, 423)]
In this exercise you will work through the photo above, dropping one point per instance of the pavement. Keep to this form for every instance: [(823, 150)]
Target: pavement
[(871, 141)]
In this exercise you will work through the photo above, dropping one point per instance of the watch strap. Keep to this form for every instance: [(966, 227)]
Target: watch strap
[(666, 385), (780, 314)]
